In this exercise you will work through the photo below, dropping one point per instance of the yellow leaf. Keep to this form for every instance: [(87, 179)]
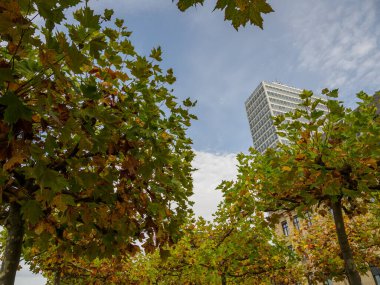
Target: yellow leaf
[(286, 168), (165, 136), (39, 229), (13, 86), (372, 162), (15, 159), (36, 118), (300, 156)]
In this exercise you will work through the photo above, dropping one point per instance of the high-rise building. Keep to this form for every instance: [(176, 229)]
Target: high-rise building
[(268, 100)]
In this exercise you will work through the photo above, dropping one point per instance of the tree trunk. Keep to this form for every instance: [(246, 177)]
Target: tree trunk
[(57, 278), (349, 265), (13, 246), (224, 279), (309, 281)]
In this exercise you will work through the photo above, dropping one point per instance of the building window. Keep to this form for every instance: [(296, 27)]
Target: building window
[(377, 279), (285, 228), (296, 223), (308, 218), (376, 274)]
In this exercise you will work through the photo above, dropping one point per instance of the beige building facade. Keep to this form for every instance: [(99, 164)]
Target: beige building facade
[(289, 224)]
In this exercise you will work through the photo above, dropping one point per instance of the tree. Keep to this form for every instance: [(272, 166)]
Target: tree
[(318, 246), (332, 160), (233, 249), (239, 12), (93, 150)]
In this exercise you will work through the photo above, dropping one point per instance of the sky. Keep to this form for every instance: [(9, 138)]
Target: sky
[(304, 44)]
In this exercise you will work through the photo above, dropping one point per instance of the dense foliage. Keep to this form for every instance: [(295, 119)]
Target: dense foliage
[(230, 250), (93, 149), (233, 249), (332, 160), (317, 243)]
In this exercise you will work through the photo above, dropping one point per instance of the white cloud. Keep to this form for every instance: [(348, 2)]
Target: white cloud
[(25, 277), (339, 40), (131, 6), (212, 169)]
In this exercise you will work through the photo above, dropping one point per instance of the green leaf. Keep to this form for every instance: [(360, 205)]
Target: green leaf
[(332, 93), (119, 23), (164, 254), (96, 46), (325, 91), (156, 54), (90, 91), (264, 7), (108, 14), (49, 11), (188, 103), (27, 68), (183, 5), (61, 201), (110, 33), (363, 96), (316, 114), (306, 94), (75, 59), (6, 74), (87, 18), (54, 180), (47, 178), (77, 33), (221, 4), (31, 211), (15, 108)]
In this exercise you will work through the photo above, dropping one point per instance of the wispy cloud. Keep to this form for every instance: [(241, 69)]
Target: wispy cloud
[(212, 169), (131, 6), (340, 40)]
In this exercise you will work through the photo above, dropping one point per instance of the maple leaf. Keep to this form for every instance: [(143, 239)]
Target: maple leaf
[(15, 108), (31, 211), (16, 159)]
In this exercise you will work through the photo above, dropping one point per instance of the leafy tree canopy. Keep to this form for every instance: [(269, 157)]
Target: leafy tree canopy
[(93, 150), (332, 159), (233, 249), (329, 157)]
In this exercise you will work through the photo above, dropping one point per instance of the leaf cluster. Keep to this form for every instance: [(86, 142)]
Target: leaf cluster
[(238, 12)]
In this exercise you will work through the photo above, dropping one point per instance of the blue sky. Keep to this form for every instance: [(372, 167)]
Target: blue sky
[(305, 44)]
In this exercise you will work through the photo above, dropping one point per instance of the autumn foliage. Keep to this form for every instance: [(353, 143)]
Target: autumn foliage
[(317, 243), (93, 150), (332, 161)]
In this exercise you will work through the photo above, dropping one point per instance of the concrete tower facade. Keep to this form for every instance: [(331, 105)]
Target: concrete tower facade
[(268, 100)]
